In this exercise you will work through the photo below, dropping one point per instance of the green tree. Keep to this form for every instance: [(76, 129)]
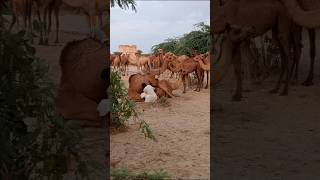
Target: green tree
[(139, 52), (124, 4), (197, 40)]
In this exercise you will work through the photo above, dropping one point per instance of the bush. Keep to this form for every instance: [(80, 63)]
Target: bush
[(123, 108), (122, 174), (34, 144)]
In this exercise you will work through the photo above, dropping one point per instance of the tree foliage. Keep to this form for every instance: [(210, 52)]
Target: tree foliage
[(123, 108), (197, 40), (34, 143), (124, 4)]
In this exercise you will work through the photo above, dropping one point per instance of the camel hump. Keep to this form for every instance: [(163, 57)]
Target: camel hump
[(73, 50), (132, 77)]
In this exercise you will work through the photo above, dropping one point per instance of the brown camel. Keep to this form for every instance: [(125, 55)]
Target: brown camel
[(21, 8), (168, 87), (310, 5), (112, 57), (274, 17), (162, 87), (185, 65), (117, 62), (44, 12), (81, 87), (137, 82), (124, 62), (204, 63), (143, 61), (90, 9)]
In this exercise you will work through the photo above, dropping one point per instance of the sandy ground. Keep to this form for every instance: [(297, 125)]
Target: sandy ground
[(183, 134), (74, 27), (266, 136)]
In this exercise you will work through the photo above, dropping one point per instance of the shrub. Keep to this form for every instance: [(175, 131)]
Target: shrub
[(34, 144), (123, 173), (123, 108)]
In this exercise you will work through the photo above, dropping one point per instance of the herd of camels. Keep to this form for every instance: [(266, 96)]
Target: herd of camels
[(43, 9), (238, 21), (155, 65)]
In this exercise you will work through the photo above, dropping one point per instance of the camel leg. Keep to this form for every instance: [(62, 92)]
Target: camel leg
[(168, 93), (100, 20), (286, 52), (14, 20), (56, 10), (49, 25), (184, 76), (206, 87), (29, 16), (297, 52), (237, 69), (199, 74), (312, 36), (41, 29)]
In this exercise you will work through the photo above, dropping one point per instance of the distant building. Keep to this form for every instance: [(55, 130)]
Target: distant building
[(128, 49)]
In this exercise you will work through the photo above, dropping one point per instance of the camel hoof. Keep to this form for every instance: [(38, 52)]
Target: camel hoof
[(307, 83), (236, 98), (183, 92), (206, 87), (273, 91)]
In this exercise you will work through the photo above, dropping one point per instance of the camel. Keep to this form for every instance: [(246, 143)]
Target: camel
[(112, 57), (310, 5), (21, 8), (117, 61), (91, 8), (204, 63), (274, 17), (305, 13), (162, 87), (143, 61), (137, 83), (185, 65), (124, 62), (83, 82), (168, 88)]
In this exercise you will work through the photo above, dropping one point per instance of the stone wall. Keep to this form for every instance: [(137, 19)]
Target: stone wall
[(128, 49)]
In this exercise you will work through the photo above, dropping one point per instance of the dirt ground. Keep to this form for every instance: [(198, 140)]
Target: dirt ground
[(266, 136), (183, 134)]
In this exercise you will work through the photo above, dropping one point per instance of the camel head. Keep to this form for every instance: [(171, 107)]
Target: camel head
[(151, 78), (200, 57), (160, 51), (170, 57)]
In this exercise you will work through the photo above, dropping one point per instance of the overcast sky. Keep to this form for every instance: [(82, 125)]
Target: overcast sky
[(155, 21)]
